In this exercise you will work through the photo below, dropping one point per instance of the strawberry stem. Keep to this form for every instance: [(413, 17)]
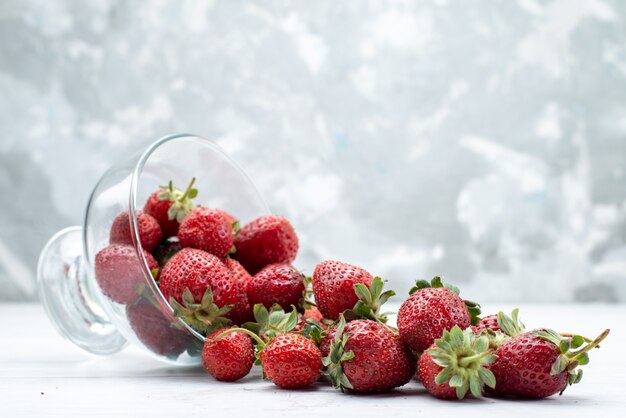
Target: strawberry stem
[(466, 361), (591, 345), (184, 196), (245, 331), (570, 335)]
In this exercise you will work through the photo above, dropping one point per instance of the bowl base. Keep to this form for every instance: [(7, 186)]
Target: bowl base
[(69, 299)]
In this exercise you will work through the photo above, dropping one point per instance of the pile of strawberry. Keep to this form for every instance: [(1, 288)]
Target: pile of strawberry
[(238, 288)]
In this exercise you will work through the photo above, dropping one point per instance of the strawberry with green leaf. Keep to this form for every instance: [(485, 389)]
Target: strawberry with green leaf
[(431, 309), (291, 361), (540, 363), (366, 356), (457, 364), (228, 358), (288, 359), (169, 205), (333, 287), (193, 281)]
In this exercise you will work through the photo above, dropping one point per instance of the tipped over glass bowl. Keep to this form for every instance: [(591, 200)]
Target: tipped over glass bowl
[(101, 322)]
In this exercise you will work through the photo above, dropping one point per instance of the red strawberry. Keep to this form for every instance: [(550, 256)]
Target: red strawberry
[(333, 286), (267, 240), (196, 270), (169, 205), (291, 361), (276, 283), (228, 358), (149, 230), (119, 273), (367, 356), (157, 332), (431, 310), (198, 273), (523, 367), (208, 230), (539, 364), (455, 364), (242, 311)]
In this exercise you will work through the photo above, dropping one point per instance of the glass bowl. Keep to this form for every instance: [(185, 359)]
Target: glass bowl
[(69, 292)]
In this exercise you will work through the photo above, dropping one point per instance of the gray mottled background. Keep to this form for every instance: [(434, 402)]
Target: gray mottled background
[(481, 140)]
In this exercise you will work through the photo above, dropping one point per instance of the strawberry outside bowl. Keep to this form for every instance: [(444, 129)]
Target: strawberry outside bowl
[(72, 297)]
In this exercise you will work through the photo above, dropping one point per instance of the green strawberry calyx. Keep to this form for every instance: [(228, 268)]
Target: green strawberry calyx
[(463, 356), (510, 326), (370, 301), (337, 355), (204, 317), (273, 322), (182, 203), (495, 338), (472, 307), (313, 330), (573, 353)]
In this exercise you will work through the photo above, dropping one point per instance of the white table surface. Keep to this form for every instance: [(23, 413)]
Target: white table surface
[(43, 375)]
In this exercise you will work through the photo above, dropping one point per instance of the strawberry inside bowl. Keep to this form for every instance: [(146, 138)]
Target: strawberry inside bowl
[(101, 283)]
